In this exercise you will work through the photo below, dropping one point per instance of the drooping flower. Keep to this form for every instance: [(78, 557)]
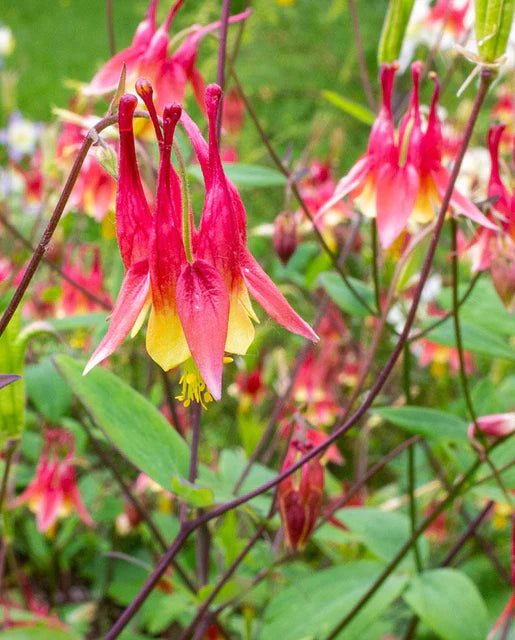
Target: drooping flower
[(494, 249), (285, 236), (92, 280), (107, 78), (397, 181), (54, 493), (300, 495), (196, 282), (148, 57)]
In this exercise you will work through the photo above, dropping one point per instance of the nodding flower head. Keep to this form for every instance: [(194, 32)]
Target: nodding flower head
[(401, 178), (53, 493), (195, 282)]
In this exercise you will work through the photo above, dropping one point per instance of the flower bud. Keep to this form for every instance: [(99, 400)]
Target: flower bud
[(108, 159), (493, 24), (498, 425), (285, 236), (502, 270), (300, 495), (394, 29)]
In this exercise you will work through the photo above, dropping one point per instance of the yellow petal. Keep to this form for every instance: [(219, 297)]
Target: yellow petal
[(240, 332), (166, 343), (141, 317)]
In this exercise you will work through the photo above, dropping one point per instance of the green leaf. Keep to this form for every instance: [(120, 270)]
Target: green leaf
[(313, 605), (190, 493), (12, 397), (247, 176), (430, 423), (449, 603), (130, 421), (482, 308), (47, 390), (382, 532), (476, 339), (340, 293), (358, 111), (394, 29), (80, 321), (37, 632)]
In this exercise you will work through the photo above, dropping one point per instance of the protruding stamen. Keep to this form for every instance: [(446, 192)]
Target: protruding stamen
[(193, 386), (146, 93)]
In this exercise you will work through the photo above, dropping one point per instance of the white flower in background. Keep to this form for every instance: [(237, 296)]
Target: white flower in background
[(20, 137), (11, 183), (6, 41), (474, 173), (444, 24)]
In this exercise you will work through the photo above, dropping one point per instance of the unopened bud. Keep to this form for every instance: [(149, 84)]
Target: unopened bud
[(300, 495), (108, 159), (502, 270), (494, 19), (285, 236), (498, 425)]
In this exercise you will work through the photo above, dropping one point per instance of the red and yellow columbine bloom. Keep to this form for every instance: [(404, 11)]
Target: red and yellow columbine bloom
[(148, 57), (54, 493), (402, 177), (197, 283)]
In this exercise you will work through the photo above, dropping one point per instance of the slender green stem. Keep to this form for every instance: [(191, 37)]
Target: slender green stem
[(186, 204), (9, 453), (413, 505), (375, 263), (461, 356)]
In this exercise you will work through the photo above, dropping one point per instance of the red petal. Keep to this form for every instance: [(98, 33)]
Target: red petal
[(48, 508), (271, 299), (107, 78), (133, 217), (130, 301), (459, 201), (353, 180), (203, 308), (395, 198)]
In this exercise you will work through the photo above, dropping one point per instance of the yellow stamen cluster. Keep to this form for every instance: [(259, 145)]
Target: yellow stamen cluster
[(193, 386)]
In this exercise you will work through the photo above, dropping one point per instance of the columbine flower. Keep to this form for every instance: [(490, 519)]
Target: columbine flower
[(196, 282), (73, 300), (148, 56), (495, 249), (300, 495), (54, 493), (397, 181)]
